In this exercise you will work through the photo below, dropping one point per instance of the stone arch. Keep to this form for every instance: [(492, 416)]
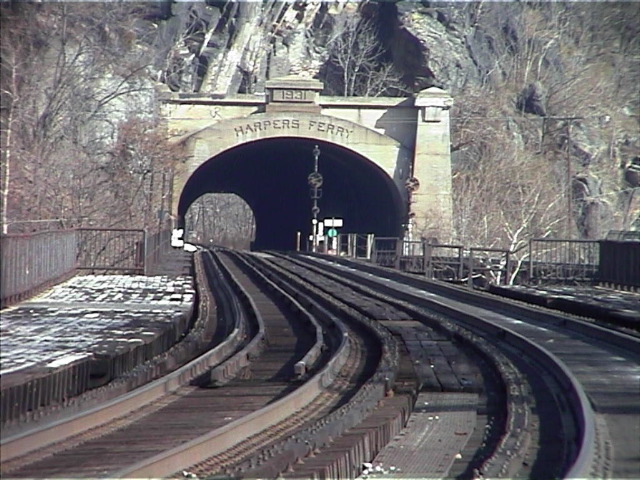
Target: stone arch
[(388, 154), (359, 188), (408, 139)]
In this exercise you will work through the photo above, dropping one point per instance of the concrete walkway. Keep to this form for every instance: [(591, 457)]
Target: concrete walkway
[(72, 319), (440, 425), (617, 306)]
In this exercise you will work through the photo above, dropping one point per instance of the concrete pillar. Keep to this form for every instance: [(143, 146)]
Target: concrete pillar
[(431, 199)]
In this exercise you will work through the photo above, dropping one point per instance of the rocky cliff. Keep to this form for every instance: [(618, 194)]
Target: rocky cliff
[(559, 80), (545, 132)]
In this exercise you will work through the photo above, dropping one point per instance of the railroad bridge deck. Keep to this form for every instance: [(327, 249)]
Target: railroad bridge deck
[(90, 313), (114, 308)]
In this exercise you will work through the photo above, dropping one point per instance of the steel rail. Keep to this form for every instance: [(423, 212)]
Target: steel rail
[(321, 430), (495, 302), (500, 463), (224, 438), (508, 373), (581, 407), (285, 291), (40, 436), (361, 404), (248, 425), (235, 360), (592, 399), (170, 461)]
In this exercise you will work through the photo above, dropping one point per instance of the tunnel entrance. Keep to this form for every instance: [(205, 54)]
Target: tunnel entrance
[(271, 176), (220, 219)]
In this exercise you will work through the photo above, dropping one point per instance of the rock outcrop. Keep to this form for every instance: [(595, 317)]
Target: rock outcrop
[(531, 60)]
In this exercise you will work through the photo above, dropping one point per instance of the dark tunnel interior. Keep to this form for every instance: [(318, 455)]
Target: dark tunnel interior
[(271, 176)]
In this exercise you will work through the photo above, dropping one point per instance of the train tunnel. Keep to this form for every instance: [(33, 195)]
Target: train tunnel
[(271, 175)]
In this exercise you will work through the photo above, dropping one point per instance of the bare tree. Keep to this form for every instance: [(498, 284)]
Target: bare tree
[(140, 173), (541, 169), (10, 100), (18, 42), (70, 75), (220, 219), (356, 64), (504, 194)]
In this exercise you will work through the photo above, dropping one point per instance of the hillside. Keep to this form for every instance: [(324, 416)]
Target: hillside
[(546, 137)]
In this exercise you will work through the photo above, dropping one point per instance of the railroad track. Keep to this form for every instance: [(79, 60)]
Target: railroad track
[(449, 359), (340, 455), (595, 370), (327, 366), (52, 448), (287, 361)]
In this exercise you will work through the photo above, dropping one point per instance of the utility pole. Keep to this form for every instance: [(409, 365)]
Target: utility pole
[(569, 192), (315, 182)]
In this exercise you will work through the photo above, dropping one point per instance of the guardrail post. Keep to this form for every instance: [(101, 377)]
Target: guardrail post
[(470, 273), (370, 240), (425, 260), (530, 261), (145, 252)]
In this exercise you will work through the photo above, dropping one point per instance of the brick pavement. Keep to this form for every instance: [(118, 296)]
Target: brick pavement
[(67, 321)]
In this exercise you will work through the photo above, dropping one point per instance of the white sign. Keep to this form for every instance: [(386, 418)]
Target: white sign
[(176, 238), (333, 222)]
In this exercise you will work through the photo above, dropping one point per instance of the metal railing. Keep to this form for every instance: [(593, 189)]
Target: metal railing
[(563, 261), (116, 250), (387, 252), (356, 245), (547, 260), (623, 235), (412, 256), (444, 262), (32, 262)]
